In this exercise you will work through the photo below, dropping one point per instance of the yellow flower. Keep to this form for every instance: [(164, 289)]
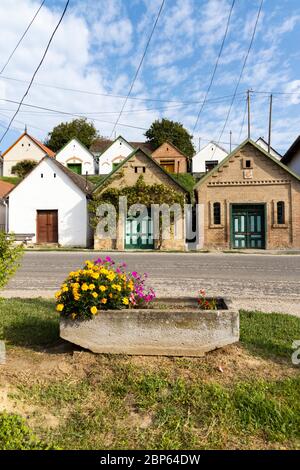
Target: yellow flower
[(84, 286), (104, 271), (131, 285), (95, 275), (65, 289), (110, 276), (94, 294), (103, 301), (92, 286), (110, 296), (59, 307), (125, 301), (58, 294), (89, 264), (94, 310), (102, 288)]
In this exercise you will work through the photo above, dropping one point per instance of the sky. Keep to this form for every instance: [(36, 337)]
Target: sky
[(98, 47)]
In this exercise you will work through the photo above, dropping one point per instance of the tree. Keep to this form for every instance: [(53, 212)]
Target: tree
[(65, 131), (174, 132), (10, 255), (22, 168)]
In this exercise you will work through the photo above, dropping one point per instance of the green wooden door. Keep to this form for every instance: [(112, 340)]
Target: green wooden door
[(248, 226), (75, 167), (139, 234)]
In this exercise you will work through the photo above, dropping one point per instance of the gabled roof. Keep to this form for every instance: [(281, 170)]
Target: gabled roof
[(128, 158), (287, 157), (212, 143), (167, 142), (101, 145), (266, 143), (43, 147), (235, 151), (5, 188), (81, 182), (113, 141), (79, 142)]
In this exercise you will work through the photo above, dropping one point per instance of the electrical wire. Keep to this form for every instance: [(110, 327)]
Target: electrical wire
[(139, 67), (36, 70), (215, 67), (21, 38)]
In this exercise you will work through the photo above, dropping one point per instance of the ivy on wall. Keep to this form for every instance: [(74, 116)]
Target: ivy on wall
[(139, 193)]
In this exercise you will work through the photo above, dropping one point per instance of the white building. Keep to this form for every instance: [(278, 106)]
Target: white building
[(51, 203), (114, 154), (208, 157), (26, 147), (75, 156), (292, 156), (263, 144)]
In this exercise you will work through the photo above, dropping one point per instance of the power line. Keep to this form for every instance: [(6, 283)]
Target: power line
[(21, 38), (215, 67), (242, 70), (36, 70), (139, 67)]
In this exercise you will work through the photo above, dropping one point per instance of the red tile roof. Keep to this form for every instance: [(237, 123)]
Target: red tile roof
[(5, 187), (43, 147)]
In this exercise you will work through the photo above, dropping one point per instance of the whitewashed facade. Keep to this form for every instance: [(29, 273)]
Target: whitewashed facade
[(26, 147), (211, 154), (264, 145), (113, 155), (75, 156), (292, 156), (51, 187)]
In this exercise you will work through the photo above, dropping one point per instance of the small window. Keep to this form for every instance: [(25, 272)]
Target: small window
[(42, 176), (217, 213), (248, 164), (140, 169), (280, 212), (54, 175), (210, 164)]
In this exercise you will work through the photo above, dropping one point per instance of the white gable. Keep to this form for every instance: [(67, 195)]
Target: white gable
[(211, 152), (75, 153), (115, 153), (24, 149), (47, 187)]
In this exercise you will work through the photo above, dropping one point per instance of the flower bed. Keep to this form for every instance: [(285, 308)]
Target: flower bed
[(107, 310)]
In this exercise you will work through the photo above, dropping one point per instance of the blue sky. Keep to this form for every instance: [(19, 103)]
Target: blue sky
[(98, 48)]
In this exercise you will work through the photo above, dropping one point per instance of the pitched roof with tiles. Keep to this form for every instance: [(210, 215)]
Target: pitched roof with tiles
[(80, 181), (5, 188), (43, 147)]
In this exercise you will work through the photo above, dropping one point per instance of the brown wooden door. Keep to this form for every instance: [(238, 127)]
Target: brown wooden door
[(169, 166), (47, 226)]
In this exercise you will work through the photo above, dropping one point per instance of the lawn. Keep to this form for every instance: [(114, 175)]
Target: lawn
[(244, 396)]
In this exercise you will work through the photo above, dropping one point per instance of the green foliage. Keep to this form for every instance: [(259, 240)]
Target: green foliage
[(161, 131), (15, 435), (186, 180), (10, 256), (22, 168), (10, 179), (65, 131), (95, 179), (139, 193), (269, 335)]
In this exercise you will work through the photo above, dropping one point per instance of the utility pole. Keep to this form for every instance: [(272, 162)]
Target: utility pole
[(199, 144), (270, 123), (248, 106), (230, 138)]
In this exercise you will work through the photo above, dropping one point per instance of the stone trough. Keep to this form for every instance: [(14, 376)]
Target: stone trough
[(173, 327)]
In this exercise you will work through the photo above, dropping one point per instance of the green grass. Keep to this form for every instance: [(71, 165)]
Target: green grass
[(28, 322), (269, 334), (15, 434), (185, 179), (96, 179), (117, 402), (10, 179)]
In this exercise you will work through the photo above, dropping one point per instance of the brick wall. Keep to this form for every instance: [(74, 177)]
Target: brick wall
[(166, 152)]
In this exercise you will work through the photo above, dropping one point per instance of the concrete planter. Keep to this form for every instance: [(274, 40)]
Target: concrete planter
[(174, 327)]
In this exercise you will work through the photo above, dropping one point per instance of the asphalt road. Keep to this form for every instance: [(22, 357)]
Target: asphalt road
[(269, 282)]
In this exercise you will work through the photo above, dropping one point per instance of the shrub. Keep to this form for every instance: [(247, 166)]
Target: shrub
[(10, 255), (15, 435), (101, 285), (22, 168)]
